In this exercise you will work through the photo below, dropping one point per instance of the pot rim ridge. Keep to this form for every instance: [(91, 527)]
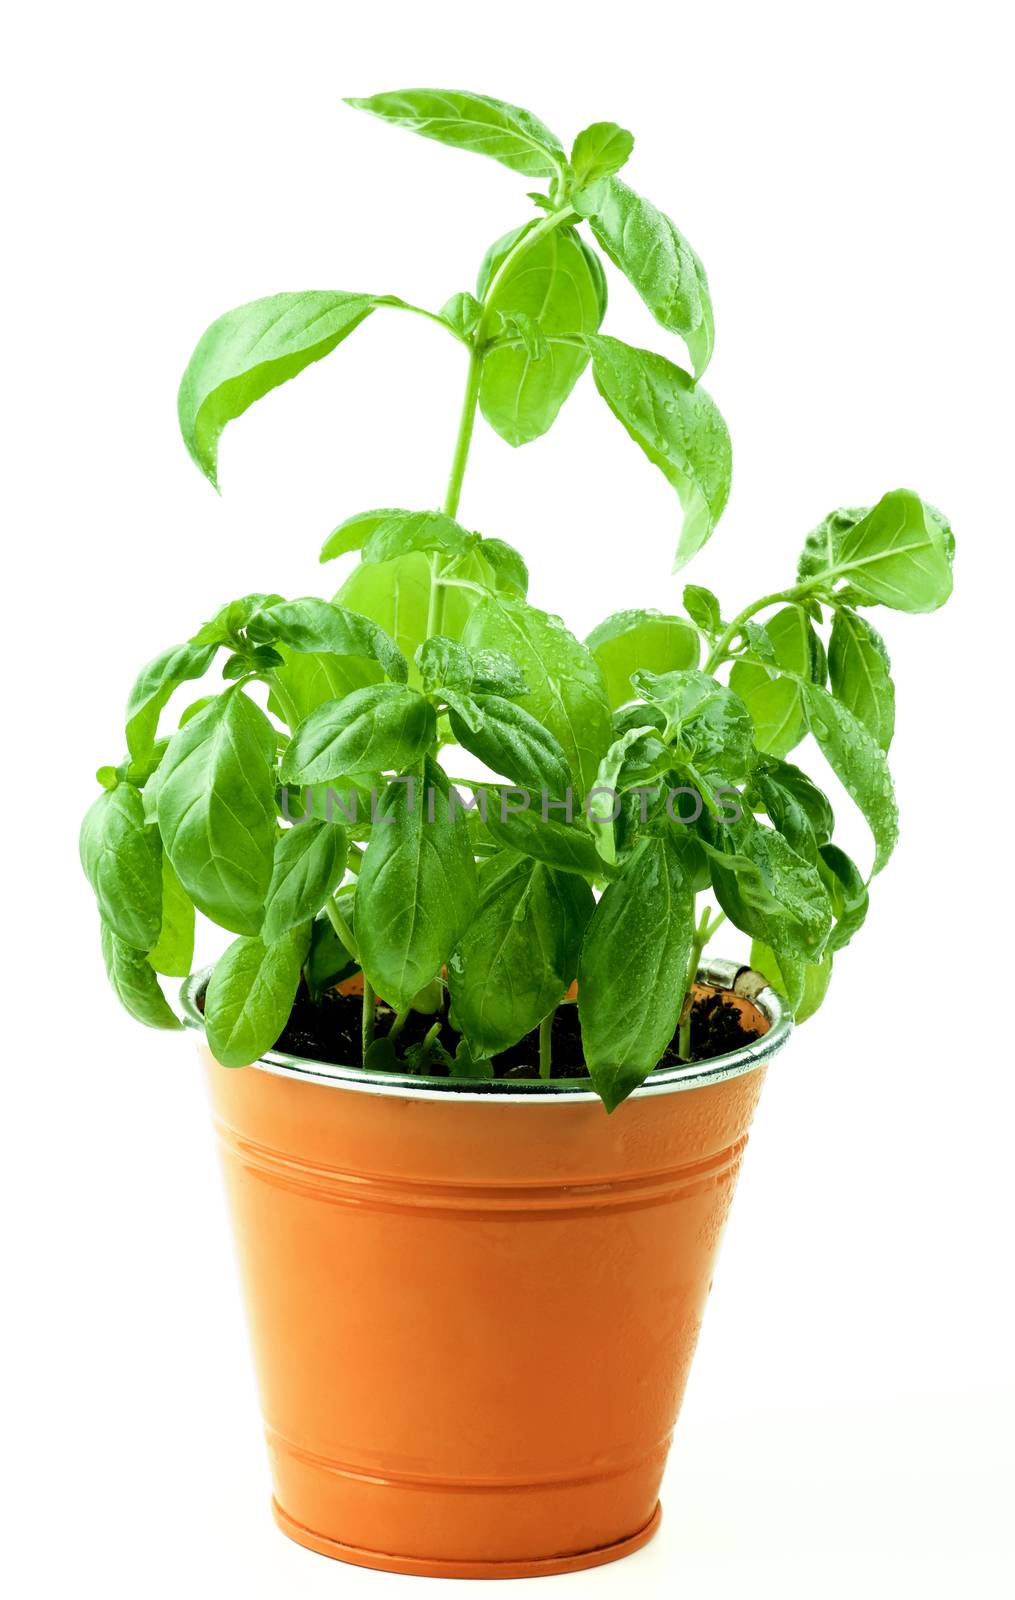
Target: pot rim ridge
[(739, 980)]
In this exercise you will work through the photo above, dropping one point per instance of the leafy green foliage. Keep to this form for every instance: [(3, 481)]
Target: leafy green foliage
[(632, 971), (417, 887), (250, 995), (153, 687), (678, 427), (554, 287), (431, 642), (599, 151), (858, 761), (630, 640), (520, 951), (251, 350), (514, 743), (770, 689), (173, 952), (122, 860), (472, 122), (134, 983), (566, 692), (309, 863), (383, 727), (898, 554), (313, 626), (216, 810), (860, 673), (650, 251)]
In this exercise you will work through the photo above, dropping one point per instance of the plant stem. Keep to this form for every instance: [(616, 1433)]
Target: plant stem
[(702, 934), (369, 1012), (546, 1045), (782, 596), (546, 225), (401, 1018), (453, 493), (466, 423), (341, 927)]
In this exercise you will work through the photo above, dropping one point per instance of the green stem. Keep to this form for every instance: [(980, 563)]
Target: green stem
[(466, 423), (781, 597), (546, 225), (453, 493), (401, 1018), (369, 1013), (702, 934), (546, 1045), (341, 927)]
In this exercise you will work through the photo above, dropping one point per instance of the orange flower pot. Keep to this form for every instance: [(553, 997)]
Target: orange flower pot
[(474, 1307)]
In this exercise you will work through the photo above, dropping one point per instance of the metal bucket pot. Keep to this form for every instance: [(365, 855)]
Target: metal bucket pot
[(474, 1306)]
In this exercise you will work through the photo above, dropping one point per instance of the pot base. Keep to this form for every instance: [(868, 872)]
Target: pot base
[(418, 1568)]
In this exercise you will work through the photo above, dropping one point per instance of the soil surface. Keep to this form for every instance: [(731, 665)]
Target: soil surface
[(329, 1030)]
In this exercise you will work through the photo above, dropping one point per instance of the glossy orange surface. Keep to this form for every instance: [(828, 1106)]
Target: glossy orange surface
[(473, 1321)]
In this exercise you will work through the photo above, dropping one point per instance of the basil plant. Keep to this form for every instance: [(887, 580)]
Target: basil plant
[(634, 772)]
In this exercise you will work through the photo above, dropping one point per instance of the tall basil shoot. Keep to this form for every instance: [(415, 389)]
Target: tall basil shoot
[(639, 769)]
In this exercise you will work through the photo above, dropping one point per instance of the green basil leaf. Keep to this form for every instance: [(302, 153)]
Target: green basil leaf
[(216, 809), (631, 639), (251, 350), (773, 700), (416, 889), (173, 955), (506, 567), (227, 625), (328, 961), (600, 150), (678, 427), (314, 626), (554, 288), (122, 860), (707, 725), (847, 891), (444, 662), (250, 995), (383, 726), (635, 759), (474, 122), (632, 969), (860, 673), (309, 864), (309, 680), (396, 594), (153, 687), (512, 742), (566, 692), (353, 533), (897, 554), (402, 531), (650, 251), (702, 606), (135, 984), (769, 891), (462, 313), (797, 807), (858, 761), (803, 984), (520, 951), (567, 846)]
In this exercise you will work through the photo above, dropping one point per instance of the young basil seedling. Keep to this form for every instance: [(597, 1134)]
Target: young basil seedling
[(324, 831)]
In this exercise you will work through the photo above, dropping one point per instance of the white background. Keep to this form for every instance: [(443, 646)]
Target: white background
[(845, 173)]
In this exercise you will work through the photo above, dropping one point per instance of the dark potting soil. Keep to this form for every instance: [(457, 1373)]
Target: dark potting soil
[(329, 1030)]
